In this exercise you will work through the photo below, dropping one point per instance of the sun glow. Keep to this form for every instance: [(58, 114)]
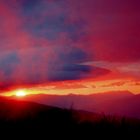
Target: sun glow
[(21, 93)]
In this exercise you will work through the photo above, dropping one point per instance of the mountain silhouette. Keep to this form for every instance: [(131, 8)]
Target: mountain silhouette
[(26, 118), (121, 103)]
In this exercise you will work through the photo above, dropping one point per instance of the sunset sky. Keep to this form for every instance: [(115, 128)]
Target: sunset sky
[(69, 46)]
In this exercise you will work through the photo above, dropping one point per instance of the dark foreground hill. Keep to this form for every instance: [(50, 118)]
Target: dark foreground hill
[(27, 118)]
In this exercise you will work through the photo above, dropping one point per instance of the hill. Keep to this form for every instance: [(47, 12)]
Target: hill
[(27, 118), (121, 103)]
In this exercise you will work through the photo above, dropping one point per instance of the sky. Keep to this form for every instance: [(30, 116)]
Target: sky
[(69, 46)]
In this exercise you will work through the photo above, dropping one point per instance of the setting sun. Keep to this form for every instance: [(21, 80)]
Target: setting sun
[(20, 93)]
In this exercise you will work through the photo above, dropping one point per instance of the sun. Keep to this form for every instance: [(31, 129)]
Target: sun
[(21, 93)]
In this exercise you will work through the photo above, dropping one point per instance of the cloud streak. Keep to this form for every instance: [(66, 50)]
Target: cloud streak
[(128, 68)]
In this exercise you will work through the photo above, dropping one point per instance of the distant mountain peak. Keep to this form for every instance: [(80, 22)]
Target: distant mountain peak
[(125, 92)]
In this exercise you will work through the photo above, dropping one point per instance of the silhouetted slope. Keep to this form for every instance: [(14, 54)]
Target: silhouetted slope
[(122, 103), (126, 107), (13, 109), (78, 101), (20, 117)]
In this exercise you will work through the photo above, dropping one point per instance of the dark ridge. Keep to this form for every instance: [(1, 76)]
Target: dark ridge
[(27, 118)]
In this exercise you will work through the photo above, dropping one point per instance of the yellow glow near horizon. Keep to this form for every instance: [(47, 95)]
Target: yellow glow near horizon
[(86, 87), (20, 93)]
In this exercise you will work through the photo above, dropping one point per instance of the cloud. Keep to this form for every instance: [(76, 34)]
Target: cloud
[(41, 65), (128, 68), (43, 41), (69, 86), (137, 83), (118, 84), (112, 26)]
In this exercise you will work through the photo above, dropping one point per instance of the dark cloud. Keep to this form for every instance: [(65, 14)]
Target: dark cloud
[(69, 72), (8, 63), (35, 66)]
